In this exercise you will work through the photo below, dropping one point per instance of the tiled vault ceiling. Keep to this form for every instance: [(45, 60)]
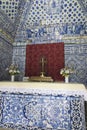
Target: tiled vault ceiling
[(17, 14), (10, 14)]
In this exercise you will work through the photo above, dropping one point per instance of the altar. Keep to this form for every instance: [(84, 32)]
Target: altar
[(42, 106)]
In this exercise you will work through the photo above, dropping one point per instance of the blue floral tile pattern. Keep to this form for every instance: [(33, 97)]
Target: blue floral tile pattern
[(52, 113), (22, 111), (32, 112)]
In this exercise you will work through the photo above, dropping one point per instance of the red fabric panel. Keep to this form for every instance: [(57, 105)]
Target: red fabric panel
[(54, 54)]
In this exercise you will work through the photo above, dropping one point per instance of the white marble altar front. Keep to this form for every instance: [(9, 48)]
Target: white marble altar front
[(42, 105)]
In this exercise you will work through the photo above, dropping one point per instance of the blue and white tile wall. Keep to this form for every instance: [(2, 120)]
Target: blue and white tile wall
[(46, 21), (76, 57), (6, 51), (10, 13), (19, 57), (53, 20), (9, 7)]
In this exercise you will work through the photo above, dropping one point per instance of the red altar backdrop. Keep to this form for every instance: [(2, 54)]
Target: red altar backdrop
[(54, 55)]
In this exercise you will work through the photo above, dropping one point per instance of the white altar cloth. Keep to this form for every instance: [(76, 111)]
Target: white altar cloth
[(45, 88)]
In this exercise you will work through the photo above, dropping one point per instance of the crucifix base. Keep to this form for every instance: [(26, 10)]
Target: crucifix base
[(42, 74), (41, 79)]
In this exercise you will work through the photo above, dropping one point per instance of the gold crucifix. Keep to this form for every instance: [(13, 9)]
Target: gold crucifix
[(43, 62)]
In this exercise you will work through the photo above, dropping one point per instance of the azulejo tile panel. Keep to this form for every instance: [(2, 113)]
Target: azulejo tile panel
[(65, 18), (25, 111), (76, 56), (35, 23), (5, 58)]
